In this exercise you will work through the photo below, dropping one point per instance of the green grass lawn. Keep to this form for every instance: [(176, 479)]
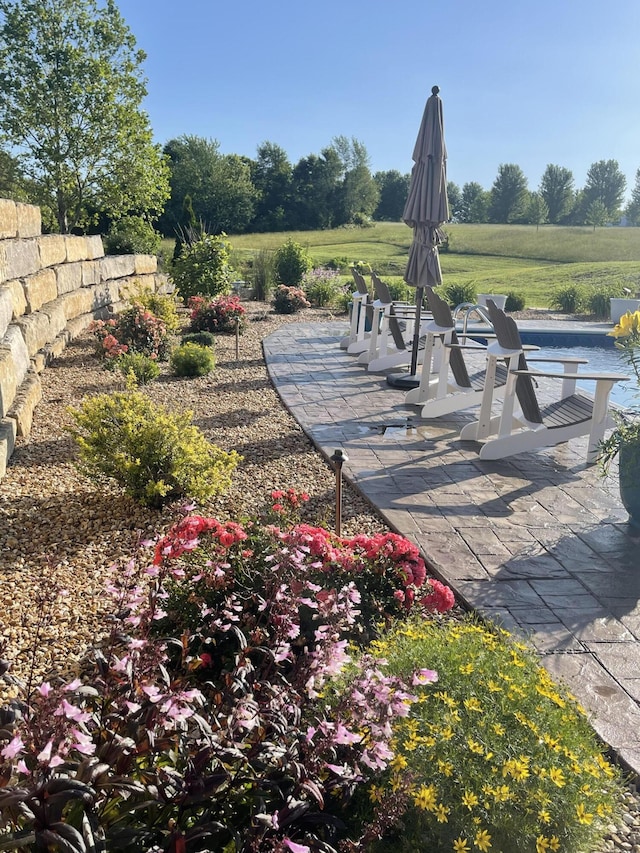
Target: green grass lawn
[(533, 262)]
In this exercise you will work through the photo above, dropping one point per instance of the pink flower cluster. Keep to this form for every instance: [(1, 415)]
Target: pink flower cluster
[(221, 314), (110, 346), (233, 667)]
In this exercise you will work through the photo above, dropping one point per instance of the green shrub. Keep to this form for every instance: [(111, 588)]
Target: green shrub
[(291, 262), (156, 455), (289, 300), (161, 305), (204, 339), (344, 302), (597, 300), (143, 368), (191, 359), (400, 291), (496, 755), (203, 267), (340, 264), (132, 235), (515, 302), (321, 286), (569, 299), (456, 294)]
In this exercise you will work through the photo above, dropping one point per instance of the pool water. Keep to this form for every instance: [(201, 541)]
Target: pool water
[(601, 360)]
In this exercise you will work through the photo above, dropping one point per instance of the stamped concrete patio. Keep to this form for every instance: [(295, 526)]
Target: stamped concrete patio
[(538, 542)]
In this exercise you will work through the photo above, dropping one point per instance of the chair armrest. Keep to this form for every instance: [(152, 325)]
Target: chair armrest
[(595, 377), (475, 347), (560, 360)]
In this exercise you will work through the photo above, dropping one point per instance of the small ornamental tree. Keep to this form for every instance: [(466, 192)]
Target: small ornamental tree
[(203, 267), (291, 262)]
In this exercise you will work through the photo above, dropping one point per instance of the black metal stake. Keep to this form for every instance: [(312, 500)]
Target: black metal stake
[(339, 458), (237, 338)]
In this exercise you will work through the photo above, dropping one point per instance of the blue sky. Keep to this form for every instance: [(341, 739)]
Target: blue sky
[(555, 81)]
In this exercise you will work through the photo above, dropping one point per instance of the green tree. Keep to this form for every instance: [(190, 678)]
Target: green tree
[(633, 208), (70, 96), (11, 178), (394, 189), (596, 214), (556, 188), (537, 210), (508, 194), (315, 183), (357, 193), (474, 203), (606, 184), (454, 194), (271, 174), (220, 185)]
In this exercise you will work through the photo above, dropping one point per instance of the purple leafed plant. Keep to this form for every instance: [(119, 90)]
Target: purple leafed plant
[(233, 702)]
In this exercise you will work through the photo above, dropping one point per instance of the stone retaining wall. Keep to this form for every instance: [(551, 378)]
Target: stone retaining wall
[(51, 287)]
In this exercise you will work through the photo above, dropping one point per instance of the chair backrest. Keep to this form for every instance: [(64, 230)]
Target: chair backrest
[(443, 317), (396, 331), (381, 290), (508, 336), (361, 284)]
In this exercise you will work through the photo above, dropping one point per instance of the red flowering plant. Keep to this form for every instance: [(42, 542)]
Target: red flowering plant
[(220, 315), (136, 329), (108, 346), (228, 707)]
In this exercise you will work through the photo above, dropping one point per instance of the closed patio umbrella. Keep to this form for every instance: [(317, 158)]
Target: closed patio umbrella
[(426, 209)]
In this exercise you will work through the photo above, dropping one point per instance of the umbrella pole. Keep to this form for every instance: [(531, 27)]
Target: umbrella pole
[(416, 333)]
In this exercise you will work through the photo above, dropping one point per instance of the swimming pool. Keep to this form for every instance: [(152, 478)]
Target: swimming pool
[(603, 360)]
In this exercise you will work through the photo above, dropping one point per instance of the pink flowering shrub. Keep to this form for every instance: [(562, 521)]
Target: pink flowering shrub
[(219, 315), (230, 707), (137, 329), (108, 346)]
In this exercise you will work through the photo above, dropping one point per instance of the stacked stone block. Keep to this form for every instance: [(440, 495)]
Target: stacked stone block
[(51, 287)]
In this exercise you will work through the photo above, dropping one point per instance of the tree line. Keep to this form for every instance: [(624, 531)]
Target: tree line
[(75, 140), (557, 200)]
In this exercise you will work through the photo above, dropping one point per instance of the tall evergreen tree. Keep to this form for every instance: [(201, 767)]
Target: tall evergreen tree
[(508, 194)]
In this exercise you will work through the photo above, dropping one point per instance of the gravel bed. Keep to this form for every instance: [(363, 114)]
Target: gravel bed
[(61, 534), (60, 531)]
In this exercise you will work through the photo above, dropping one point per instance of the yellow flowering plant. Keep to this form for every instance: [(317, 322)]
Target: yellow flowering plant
[(627, 431), (494, 756)]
